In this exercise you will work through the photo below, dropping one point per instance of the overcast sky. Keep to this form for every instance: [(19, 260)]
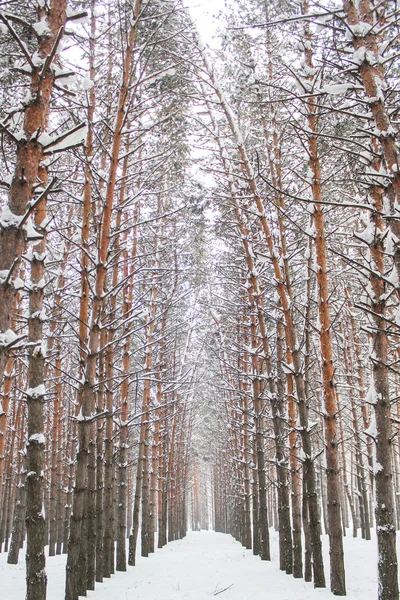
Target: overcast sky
[(204, 12)]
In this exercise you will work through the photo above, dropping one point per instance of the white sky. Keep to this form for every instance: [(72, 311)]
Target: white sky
[(205, 13)]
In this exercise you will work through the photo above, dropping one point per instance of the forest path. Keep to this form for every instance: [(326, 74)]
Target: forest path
[(205, 565)]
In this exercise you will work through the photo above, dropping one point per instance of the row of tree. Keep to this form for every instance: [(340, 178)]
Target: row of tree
[(95, 315), (198, 283), (303, 114)]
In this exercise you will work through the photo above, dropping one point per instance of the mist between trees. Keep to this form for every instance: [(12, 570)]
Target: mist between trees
[(199, 282)]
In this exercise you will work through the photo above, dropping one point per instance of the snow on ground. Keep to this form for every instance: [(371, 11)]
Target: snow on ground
[(203, 565)]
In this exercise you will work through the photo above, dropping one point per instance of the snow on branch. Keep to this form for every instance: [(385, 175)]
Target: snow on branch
[(329, 13), (70, 139), (158, 75), (337, 89), (36, 392), (9, 338), (42, 27), (16, 37), (79, 16), (37, 438)]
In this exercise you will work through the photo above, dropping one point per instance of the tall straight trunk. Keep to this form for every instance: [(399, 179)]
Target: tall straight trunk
[(35, 520), (89, 548), (71, 434), (10, 495), (380, 429), (255, 513), (278, 418), (94, 211), (124, 442), (109, 472), (338, 584), (196, 500), (79, 526), (156, 457), (372, 73), (108, 541), (307, 535), (122, 488), (161, 477), (90, 514), (171, 469), (129, 495), (4, 410), (164, 485), (6, 501), (8, 440), (347, 489), (87, 391), (54, 345), (110, 491), (382, 436), (322, 486), (217, 493), (365, 412), (360, 470), (55, 444), (19, 516), (35, 449), (9, 501), (133, 536), (146, 423), (4, 439), (162, 425), (12, 244), (100, 404), (260, 458), (27, 169), (295, 481), (311, 518), (247, 542), (46, 471), (182, 471), (60, 487)]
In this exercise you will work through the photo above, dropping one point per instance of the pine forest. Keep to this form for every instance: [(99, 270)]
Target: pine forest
[(199, 286)]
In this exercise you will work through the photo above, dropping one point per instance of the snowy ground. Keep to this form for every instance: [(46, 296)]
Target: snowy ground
[(204, 565)]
